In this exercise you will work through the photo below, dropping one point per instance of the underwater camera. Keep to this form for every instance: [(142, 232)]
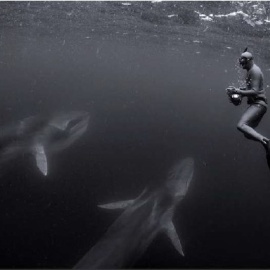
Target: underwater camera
[(236, 99)]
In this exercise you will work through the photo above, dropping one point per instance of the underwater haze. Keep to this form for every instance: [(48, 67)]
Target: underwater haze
[(152, 76)]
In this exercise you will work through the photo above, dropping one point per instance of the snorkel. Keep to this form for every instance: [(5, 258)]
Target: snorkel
[(246, 59)]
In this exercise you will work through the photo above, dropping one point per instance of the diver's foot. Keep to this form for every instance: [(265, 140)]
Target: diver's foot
[(266, 144), (268, 159)]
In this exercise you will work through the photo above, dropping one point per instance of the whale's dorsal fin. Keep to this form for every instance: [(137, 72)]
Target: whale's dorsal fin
[(172, 234), (41, 159)]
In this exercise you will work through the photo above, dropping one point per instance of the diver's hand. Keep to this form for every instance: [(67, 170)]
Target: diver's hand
[(233, 90), (237, 91), (234, 95), (230, 90)]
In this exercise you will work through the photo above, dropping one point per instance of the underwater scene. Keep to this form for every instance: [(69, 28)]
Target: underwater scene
[(119, 147)]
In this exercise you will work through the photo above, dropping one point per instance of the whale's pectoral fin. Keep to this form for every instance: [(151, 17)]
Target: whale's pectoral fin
[(117, 205), (41, 159), (172, 234), (122, 204)]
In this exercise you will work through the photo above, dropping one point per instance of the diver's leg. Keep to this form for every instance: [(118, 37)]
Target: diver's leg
[(251, 119), (250, 137)]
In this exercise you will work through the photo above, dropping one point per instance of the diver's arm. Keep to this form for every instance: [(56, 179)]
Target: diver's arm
[(246, 93), (255, 78)]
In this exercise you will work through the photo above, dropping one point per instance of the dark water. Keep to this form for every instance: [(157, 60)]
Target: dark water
[(155, 95)]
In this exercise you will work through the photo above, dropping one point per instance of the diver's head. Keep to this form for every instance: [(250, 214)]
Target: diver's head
[(246, 60)]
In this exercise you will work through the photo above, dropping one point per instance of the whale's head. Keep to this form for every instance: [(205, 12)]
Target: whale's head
[(70, 126), (180, 176)]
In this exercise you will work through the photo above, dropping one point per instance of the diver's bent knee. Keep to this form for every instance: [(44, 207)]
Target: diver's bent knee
[(241, 126)]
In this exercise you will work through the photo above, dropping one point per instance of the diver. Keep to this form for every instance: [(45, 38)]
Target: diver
[(256, 99)]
